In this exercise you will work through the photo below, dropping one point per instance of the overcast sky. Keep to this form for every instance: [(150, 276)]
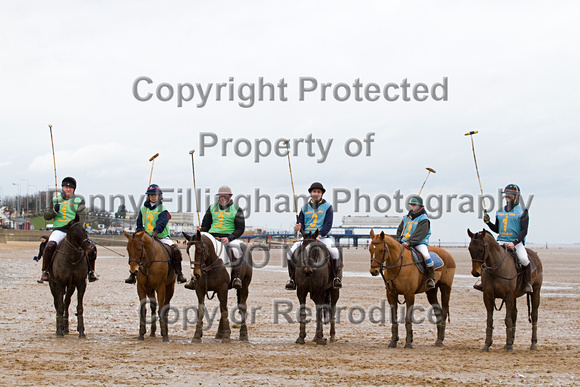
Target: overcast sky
[(511, 69)]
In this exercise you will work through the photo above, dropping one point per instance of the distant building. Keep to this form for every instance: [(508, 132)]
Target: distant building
[(359, 227)]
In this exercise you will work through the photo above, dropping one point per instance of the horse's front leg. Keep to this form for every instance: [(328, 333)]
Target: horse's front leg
[(142, 311), (392, 299), (153, 307), (535, 305), (224, 331), (489, 302), (302, 300), (67, 299), (163, 312), (80, 319), (243, 309), (511, 316), (410, 301), (333, 301), (57, 291), (200, 313)]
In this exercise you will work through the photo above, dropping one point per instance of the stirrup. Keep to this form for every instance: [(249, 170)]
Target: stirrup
[(237, 283), (478, 287), (190, 285), (181, 279), (337, 283), (92, 276), (430, 284), (44, 276), (291, 285), (131, 279), (528, 288)]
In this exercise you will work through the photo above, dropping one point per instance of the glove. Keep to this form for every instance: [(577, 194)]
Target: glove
[(486, 217), (56, 207), (35, 258)]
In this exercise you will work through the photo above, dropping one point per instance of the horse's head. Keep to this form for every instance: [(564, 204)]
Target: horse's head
[(478, 248), (137, 246), (77, 236), (311, 254), (201, 250), (378, 250)]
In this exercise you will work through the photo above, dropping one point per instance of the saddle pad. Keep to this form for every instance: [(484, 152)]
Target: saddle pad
[(220, 249), (438, 262), (517, 261)]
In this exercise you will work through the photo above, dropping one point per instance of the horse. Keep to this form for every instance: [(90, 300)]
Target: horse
[(314, 276), (155, 278), (69, 273), (402, 276), (211, 275), (500, 279)]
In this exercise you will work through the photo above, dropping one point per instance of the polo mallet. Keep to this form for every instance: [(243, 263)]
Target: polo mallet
[(287, 143), (54, 162), (470, 134), (419, 194), (194, 186), (152, 159)]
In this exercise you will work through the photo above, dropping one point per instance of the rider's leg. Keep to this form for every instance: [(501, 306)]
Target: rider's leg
[(234, 251), (526, 267), (55, 238), (335, 258), (176, 258), (424, 250), (291, 285)]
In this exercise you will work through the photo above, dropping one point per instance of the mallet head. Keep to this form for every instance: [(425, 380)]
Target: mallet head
[(50, 126), (430, 170), (154, 157), (471, 133), (192, 151), (286, 142)]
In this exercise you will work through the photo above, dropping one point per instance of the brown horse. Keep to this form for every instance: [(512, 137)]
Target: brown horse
[(402, 276), (155, 278), (69, 273), (212, 276), (500, 279), (313, 275)]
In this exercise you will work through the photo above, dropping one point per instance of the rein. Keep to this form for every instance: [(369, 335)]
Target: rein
[(143, 261), (201, 265), (492, 269)]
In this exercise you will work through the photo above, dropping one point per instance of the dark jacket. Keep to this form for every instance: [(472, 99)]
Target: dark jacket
[(328, 218), (239, 223), (420, 231), (162, 218)]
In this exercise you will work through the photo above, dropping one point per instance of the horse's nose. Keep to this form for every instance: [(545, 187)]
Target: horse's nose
[(374, 272), (475, 273)]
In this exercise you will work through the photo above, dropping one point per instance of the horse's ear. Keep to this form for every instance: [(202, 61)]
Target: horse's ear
[(186, 236), (302, 233), (382, 235), (316, 234), (372, 233), (127, 234), (198, 234), (470, 233)]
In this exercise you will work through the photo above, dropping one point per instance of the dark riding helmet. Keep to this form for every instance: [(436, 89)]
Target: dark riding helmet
[(416, 200), (154, 189), (69, 182), (316, 185), (512, 189)]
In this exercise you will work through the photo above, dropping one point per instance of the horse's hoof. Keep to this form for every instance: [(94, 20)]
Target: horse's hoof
[(244, 338), (66, 332), (509, 349), (219, 336), (152, 334), (408, 345), (165, 339), (82, 336), (226, 340), (393, 344), (141, 337), (59, 333), (196, 340), (300, 340), (533, 347), (439, 343), (332, 339), (485, 349), (321, 341)]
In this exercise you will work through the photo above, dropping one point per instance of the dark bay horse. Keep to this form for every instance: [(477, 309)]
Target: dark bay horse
[(500, 279), (402, 276), (314, 276), (69, 273), (155, 278), (212, 276)]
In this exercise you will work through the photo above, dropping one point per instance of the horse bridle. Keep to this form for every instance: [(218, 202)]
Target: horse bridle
[(143, 260), (205, 253), (491, 269), (78, 248)]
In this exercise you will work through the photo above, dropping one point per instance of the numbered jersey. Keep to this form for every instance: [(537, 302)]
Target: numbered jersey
[(314, 218), (509, 224), (412, 226), (149, 218), (223, 221), (67, 212)]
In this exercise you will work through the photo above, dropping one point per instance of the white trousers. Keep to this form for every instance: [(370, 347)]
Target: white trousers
[(522, 254), (424, 250), (167, 241), (334, 253), (57, 236)]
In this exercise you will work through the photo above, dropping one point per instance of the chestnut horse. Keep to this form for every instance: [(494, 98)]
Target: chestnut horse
[(402, 276), (500, 279), (69, 273), (211, 275), (313, 275), (155, 278)]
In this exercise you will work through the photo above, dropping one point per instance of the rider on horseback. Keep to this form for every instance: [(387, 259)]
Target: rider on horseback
[(418, 230), (156, 218), (317, 214), (225, 221), (511, 223), (67, 208)]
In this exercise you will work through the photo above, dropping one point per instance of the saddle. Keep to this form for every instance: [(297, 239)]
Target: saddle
[(223, 251), (517, 261), (420, 261)]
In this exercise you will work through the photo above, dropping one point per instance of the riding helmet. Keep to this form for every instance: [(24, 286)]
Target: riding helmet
[(69, 182), (316, 185), (512, 189), (224, 190), (154, 189), (416, 200)]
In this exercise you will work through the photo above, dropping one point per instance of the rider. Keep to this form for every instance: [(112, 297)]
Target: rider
[(418, 230), (511, 223), (317, 214), (67, 208), (156, 218), (225, 221)]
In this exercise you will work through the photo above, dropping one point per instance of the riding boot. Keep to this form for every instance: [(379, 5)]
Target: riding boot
[(527, 272), (132, 278), (177, 258), (430, 278), (92, 259), (291, 285), (478, 286), (46, 258), (336, 282)]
